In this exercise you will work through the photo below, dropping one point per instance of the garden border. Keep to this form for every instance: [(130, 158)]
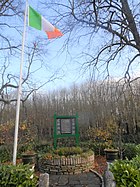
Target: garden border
[(66, 165)]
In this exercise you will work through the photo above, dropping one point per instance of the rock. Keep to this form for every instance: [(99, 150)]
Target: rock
[(44, 180), (109, 180)]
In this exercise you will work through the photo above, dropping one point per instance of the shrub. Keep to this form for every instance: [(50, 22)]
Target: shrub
[(130, 150), (138, 149), (85, 144), (67, 151), (98, 148), (5, 154), (136, 162), (17, 176), (43, 148), (126, 173), (131, 138)]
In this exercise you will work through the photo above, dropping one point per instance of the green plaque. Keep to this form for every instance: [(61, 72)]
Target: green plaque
[(65, 126)]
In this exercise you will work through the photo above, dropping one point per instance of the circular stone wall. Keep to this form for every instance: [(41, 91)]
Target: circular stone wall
[(66, 165)]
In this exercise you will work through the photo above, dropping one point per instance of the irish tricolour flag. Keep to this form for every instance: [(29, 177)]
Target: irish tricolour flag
[(39, 22)]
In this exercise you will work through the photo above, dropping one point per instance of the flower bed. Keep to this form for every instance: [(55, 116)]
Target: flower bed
[(66, 165)]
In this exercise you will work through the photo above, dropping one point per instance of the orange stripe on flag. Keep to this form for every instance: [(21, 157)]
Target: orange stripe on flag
[(54, 34)]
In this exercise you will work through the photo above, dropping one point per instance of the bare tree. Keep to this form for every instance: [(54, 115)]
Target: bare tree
[(114, 22), (10, 52), (9, 9)]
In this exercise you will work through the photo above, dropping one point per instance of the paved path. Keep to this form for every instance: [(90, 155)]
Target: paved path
[(89, 179)]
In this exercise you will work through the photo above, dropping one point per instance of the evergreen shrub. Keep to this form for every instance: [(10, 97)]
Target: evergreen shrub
[(5, 154), (17, 176), (130, 150), (126, 173)]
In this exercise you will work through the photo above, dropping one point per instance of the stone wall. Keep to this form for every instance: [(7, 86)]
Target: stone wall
[(66, 165)]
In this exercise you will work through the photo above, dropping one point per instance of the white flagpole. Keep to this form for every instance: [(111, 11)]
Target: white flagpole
[(19, 90)]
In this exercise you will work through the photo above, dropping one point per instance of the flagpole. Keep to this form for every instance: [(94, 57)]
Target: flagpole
[(19, 90)]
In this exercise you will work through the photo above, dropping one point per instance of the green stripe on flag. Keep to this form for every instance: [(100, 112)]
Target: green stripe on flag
[(34, 19)]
